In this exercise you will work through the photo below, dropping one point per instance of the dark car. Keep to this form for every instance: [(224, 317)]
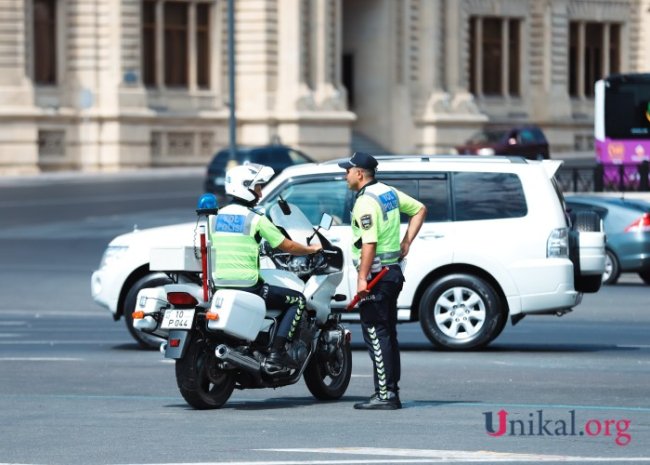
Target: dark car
[(627, 228), (528, 141), (277, 157)]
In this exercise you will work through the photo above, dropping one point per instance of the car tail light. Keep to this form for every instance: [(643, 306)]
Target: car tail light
[(641, 224), (181, 299), (557, 244)]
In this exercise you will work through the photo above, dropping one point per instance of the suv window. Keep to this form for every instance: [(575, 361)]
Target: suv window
[(486, 196), (316, 197), (431, 190), (434, 194)]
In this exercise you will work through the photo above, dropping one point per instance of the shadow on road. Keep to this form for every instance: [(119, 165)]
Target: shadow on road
[(493, 348), (277, 403), (512, 347)]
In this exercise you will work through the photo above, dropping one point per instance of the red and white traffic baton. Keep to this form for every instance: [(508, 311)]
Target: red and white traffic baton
[(204, 263), (353, 303)]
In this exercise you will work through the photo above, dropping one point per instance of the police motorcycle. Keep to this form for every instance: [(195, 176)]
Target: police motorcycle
[(220, 338)]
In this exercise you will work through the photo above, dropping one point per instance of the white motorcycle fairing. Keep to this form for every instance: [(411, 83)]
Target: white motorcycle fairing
[(242, 314)]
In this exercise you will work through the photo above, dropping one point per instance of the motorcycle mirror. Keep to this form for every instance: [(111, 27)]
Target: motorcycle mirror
[(326, 222), (284, 206)]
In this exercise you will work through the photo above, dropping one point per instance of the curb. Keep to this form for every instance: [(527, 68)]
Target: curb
[(58, 177)]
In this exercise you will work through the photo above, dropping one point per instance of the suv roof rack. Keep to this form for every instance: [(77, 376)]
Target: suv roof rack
[(429, 158)]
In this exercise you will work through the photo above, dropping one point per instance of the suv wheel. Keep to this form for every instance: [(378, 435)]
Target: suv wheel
[(145, 340), (460, 312)]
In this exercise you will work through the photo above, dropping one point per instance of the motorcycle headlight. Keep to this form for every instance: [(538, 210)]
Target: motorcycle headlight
[(112, 254)]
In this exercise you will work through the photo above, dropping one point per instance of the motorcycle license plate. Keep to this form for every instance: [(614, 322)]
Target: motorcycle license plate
[(178, 319)]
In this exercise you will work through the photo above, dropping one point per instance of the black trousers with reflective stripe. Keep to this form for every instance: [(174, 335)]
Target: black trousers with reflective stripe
[(378, 314), (291, 303)]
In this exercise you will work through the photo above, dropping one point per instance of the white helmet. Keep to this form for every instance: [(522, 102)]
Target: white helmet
[(241, 180)]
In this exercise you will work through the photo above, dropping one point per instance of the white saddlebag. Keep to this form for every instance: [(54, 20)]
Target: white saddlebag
[(241, 314), (150, 301)]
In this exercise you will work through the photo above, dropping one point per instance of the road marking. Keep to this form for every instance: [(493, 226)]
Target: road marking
[(56, 343), (412, 456), (439, 456), (530, 406), (32, 313), (40, 359), (130, 197)]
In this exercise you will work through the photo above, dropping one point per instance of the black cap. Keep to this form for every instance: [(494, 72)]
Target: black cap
[(360, 160)]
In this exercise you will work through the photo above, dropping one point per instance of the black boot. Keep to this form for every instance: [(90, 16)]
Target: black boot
[(391, 402), (375, 396), (278, 360)]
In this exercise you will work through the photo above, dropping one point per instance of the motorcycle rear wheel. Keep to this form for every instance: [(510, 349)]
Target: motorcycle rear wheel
[(327, 376), (202, 384)]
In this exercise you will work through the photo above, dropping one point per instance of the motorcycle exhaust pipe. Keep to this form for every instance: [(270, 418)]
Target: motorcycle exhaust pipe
[(338, 336), (225, 353)]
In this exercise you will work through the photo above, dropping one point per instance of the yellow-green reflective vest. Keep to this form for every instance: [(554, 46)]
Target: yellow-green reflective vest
[(235, 233), (376, 219)]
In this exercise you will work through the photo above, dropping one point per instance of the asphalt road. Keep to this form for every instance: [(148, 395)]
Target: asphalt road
[(74, 388)]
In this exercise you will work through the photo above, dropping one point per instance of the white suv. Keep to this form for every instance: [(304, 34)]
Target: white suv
[(497, 243)]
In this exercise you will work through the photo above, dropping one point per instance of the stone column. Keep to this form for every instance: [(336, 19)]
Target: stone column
[(90, 83), (644, 53), (18, 132), (451, 114), (309, 104), (293, 92), (549, 71), (326, 53)]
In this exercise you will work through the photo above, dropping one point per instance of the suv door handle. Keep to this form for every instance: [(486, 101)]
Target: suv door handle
[(433, 235)]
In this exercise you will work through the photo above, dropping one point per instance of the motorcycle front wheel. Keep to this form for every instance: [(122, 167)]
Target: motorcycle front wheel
[(327, 375), (202, 384)]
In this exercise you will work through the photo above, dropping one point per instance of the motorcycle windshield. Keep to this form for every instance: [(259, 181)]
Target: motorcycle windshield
[(294, 222)]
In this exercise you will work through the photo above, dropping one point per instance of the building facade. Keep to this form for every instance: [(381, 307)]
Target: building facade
[(111, 84)]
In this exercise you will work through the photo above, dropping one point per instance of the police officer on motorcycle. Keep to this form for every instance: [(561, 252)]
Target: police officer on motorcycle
[(236, 235)]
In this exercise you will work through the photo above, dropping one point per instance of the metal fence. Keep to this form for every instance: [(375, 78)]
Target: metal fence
[(594, 177)]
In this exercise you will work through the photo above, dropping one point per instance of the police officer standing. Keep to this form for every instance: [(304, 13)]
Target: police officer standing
[(376, 244)]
